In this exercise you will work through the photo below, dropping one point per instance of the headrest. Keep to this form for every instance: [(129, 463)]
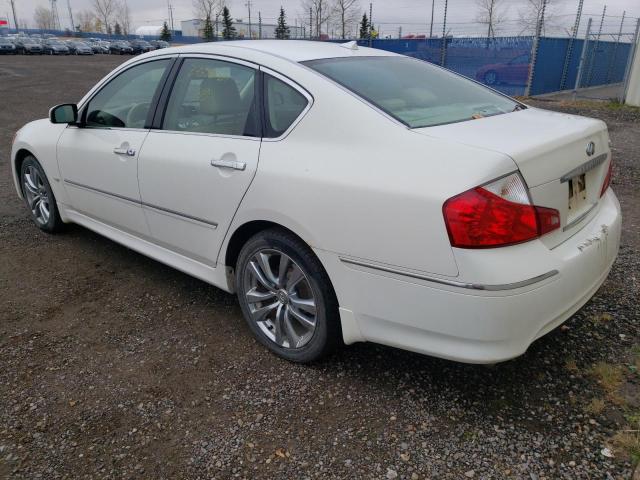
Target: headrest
[(219, 96)]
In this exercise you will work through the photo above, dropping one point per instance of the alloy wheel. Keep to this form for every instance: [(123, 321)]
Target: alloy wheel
[(37, 195), (280, 298)]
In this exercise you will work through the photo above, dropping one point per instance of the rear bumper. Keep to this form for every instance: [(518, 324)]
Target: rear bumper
[(479, 326)]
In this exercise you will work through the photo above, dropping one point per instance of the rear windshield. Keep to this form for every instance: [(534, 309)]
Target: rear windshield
[(413, 91)]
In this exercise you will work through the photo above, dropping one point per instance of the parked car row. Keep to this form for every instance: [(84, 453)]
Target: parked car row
[(49, 45)]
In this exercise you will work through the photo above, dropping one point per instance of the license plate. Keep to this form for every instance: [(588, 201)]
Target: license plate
[(577, 193)]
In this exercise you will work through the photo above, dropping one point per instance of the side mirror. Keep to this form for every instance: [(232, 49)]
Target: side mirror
[(65, 113)]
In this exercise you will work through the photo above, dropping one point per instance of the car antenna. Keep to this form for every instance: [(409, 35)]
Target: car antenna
[(353, 45)]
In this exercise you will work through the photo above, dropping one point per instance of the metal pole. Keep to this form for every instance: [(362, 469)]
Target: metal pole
[(370, 24), (310, 23), (632, 53), (433, 5), (15, 17), (594, 50), (248, 4), (443, 43), (534, 50), (73, 27), (260, 25), (583, 56), (572, 40), (612, 60)]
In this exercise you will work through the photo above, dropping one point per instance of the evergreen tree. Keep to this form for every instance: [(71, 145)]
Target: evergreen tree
[(282, 30), (165, 33), (117, 29), (228, 30), (365, 26), (207, 31), (109, 31)]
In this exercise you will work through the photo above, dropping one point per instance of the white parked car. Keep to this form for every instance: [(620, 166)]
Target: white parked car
[(345, 194)]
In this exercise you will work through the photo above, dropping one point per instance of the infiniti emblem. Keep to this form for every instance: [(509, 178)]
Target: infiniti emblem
[(591, 148)]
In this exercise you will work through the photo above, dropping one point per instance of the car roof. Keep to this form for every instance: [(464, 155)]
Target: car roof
[(293, 50)]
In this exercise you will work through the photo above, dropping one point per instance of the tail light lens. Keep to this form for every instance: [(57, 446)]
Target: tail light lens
[(607, 178), (496, 215)]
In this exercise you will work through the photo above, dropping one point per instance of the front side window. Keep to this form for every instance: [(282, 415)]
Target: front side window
[(125, 101), (414, 92), (213, 96), (283, 105)]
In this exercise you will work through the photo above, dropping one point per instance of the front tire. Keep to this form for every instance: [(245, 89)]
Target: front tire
[(286, 297), (39, 197)]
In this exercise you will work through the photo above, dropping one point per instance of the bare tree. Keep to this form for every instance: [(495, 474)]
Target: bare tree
[(320, 11), (43, 18), (85, 20), (529, 16), (123, 17), (492, 14), (207, 8), (346, 14), (104, 10)]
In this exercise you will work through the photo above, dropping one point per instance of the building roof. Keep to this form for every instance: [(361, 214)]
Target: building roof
[(294, 50)]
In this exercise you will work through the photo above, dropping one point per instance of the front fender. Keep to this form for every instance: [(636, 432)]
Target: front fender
[(39, 138)]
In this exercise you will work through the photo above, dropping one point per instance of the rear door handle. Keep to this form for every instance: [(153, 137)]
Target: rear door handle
[(229, 164), (125, 151)]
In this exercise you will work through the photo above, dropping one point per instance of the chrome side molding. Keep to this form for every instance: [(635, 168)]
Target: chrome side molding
[(452, 283)]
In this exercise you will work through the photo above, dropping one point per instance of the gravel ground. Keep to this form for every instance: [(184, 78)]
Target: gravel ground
[(115, 366)]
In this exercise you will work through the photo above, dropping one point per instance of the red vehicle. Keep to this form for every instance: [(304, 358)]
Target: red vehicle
[(514, 72)]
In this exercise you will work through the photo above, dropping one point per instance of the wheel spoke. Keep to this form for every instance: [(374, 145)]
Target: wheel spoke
[(285, 261), (44, 211), (263, 260), (257, 272), (33, 200), (295, 278), (255, 296), (294, 338), (29, 185), (279, 320), (260, 314), (308, 305), (301, 318)]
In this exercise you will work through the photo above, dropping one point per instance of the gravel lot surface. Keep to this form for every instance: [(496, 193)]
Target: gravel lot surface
[(115, 366)]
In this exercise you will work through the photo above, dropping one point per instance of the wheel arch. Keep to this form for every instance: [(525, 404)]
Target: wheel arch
[(19, 158)]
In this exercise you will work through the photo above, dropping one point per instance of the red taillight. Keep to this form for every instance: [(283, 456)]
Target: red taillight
[(607, 178), (496, 215)]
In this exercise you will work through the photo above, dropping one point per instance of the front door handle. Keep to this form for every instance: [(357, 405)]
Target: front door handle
[(229, 164), (125, 151)]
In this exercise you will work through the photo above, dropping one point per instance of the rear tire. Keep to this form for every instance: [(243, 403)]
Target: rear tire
[(39, 197), (289, 304)]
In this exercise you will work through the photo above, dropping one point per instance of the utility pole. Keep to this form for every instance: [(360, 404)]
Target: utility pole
[(260, 25), (433, 5), (170, 8), (534, 49), (73, 27), (55, 18), (583, 57), (248, 4), (15, 17), (310, 23)]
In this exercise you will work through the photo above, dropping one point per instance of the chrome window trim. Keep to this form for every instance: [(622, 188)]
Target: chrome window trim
[(204, 134), (141, 203), (585, 167), (451, 283)]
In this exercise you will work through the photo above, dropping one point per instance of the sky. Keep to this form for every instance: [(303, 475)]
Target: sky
[(413, 15)]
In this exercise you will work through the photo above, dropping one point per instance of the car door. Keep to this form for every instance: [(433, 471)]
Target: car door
[(99, 158), (195, 168)]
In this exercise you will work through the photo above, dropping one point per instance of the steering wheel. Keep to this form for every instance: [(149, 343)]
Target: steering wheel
[(137, 115)]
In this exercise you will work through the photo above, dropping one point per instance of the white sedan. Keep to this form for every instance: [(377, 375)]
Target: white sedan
[(345, 194)]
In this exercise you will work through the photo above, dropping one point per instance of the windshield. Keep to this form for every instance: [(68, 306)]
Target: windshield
[(413, 91)]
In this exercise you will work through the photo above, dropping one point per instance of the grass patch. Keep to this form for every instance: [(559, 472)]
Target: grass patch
[(596, 406), (608, 376), (571, 365)]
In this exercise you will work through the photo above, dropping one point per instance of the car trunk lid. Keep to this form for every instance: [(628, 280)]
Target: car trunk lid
[(562, 158)]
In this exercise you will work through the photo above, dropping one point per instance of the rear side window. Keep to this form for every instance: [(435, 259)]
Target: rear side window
[(283, 105)]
